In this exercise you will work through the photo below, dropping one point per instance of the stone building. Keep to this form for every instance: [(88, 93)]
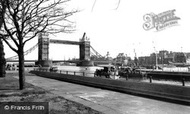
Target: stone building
[(164, 57)]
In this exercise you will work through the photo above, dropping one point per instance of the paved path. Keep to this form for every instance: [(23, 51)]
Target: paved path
[(106, 101)]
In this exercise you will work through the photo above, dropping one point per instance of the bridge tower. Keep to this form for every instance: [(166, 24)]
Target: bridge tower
[(43, 50), (84, 47)]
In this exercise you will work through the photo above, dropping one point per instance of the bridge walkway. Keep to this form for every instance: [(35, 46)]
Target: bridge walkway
[(106, 101)]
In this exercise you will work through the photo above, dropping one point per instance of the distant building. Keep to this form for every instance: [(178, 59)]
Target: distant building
[(144, 60), (187, 57), (123, 59), (179, 57), (164, 57)]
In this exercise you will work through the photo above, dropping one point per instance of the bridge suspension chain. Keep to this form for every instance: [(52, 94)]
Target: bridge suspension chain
[(96, 53), (93, 52), (25, 53)]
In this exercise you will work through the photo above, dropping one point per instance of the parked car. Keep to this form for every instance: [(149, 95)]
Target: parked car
[(53, 69), (108, 71), (123, 71)]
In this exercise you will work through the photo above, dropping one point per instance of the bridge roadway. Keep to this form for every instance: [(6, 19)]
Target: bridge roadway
[(55, 61), (108, 102), (71, 61), (64, 42)]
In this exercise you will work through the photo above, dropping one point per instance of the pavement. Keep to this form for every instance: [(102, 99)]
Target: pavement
[(106, 101)]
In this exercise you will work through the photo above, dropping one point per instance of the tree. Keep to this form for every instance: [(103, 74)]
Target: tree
[(118, 3), (25, 19), (2, 60)]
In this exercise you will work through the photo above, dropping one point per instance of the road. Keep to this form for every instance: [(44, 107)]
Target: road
[(107, 101)]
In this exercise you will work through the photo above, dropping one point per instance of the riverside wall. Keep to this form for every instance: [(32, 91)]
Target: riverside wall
[(170, 93)]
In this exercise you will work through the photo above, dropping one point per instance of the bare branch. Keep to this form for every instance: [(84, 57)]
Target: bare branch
[(118, 4), (10, 46), (10, 34), (25, 19), (93, 5)]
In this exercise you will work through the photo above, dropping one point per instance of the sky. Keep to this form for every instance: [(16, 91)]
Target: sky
[(120, 30)]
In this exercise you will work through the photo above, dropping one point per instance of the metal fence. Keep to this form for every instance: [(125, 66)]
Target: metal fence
[(149, 79)]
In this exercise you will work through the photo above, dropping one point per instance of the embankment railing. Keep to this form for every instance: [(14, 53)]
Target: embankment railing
[(90, 74)]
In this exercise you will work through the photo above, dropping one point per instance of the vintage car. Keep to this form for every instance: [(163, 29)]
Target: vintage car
[(53, 69), (108, 71), (129, 72), (123, 71)]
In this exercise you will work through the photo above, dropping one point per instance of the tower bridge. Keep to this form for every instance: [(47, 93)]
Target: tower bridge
[(85, 51), (43, 47)]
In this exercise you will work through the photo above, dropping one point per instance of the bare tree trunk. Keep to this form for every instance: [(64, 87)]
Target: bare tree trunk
[(21, 68), (2, 60), (2, 57)]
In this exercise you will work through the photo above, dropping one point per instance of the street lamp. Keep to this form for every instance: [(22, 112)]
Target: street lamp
[(156, 58)]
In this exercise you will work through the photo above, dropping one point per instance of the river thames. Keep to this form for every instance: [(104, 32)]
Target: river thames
[(89, 71)]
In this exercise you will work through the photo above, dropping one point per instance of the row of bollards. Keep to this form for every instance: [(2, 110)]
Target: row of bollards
[(150, 79), (127, 77), (183, 80)]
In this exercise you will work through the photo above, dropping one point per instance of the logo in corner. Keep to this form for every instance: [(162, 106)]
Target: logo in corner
[(160, 21)]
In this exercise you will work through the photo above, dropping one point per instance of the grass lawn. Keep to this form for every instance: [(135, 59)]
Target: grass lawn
[(9, 92)]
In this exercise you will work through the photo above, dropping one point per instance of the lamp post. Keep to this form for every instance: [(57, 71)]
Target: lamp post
[(156, 58)]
